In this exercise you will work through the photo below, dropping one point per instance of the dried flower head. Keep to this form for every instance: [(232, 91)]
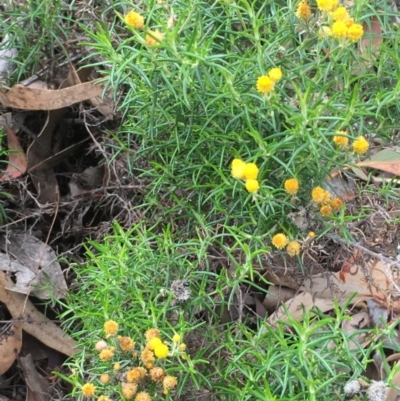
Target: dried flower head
[(182, 347), (280, 240), (360, 145), (340, 14), (275, 74), (341, 139), (176, 338), (161, 351), (355, 32), (376, 391), (100, 345), (111, 327), (265, 84), (88, 390), (129, 390), (250, 171), (291, 186), (154, 38), (126, 343), (136, 375), (293, 248), (170, 382), (325, 210), (336, 203), (352, 387), (143, 396), (327, 5), (154, 342), (147, 357), (151, 333), (134, 19), (320, 196), (303, 11), (237, 168), (106, 355), (339, 29), (105, 378), (252, 186), (157, 374)]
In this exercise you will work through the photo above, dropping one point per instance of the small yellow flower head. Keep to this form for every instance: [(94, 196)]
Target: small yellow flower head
[(106, 355), (129, 390), (134, 19), (280, 241), (143, 396), (105, 378), (147, 358), (265, 84), (275, 74), (154, 38), (136, 375), (325, 32), (88, 390), (170, 382), (360, 145), (151, 333), (303, 11), (336, 203), (311, 234), (291, 186), (111, 327), (252, 186), (104, 398), (355, 32), (157, 374), (154, 342), (161, 351), (341, 139), (117, 366), (237, 168), (325, 210), (327, 5), (250, 171), (126, 343), (176, 338), (293, 248), (182, 347), (340, 14), (100, 345), (320, 196), (339, 29)]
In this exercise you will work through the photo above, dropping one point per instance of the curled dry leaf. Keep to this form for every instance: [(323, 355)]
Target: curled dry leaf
[(33, 321), (10, 345), (17, 163)]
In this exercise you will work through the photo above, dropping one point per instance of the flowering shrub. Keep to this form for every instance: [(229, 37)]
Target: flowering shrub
[(152, 377)]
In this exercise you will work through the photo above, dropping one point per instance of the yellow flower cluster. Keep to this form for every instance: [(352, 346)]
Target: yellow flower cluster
[(281, 241), (360, 144), (266, 83), (135, 377), (247, 172), (136, 21), (341, 25), (322, 198)]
